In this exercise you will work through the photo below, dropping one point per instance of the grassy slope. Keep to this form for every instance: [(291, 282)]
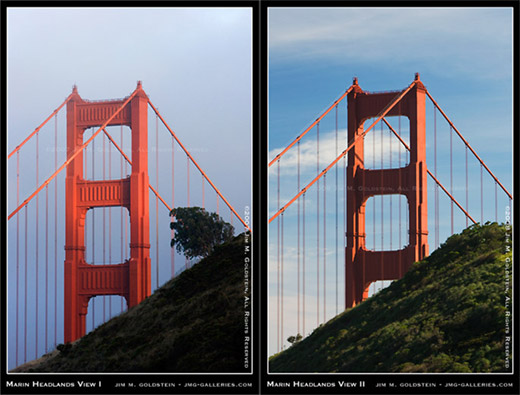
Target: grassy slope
[(446, 314), (192, 323)]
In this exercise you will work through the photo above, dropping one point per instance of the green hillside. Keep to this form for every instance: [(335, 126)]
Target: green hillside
[(447, 314), (194, 323)]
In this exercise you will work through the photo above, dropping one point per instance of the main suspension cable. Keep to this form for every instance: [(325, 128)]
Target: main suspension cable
[(198, 167), (55, 112), (277, 157), (467, 145), (430, 174), (73, 156), (381, 115)]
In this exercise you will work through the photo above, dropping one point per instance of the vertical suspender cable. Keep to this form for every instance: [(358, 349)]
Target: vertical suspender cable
[(481, 196), (126, 217), (436, 190), (318, 226), (278, 261), (93, 231), (188, 193), (25, 298), (496, 203), (37, 242), (467, 203), (109, 227), (298, 247), (451, 176), (407, 217), (400, 185), (363, 255), (337, 260), (17, 249), (217, 204), (104, 226), (46, 266), (344, 238), (157, 201), (373, 199), (188, 184), (324, 247), (56, 232), (85, 164), (281, 288), (121, 196), (391, 196), (126, 249), (202, 190), (172, 250), (382, 219), (126, 220), (303, 267)]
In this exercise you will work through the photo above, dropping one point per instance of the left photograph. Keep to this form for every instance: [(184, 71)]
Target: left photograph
[(129, 190)]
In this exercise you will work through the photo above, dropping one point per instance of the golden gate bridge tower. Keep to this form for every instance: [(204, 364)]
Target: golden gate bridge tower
[(363, 266), (130, 279)]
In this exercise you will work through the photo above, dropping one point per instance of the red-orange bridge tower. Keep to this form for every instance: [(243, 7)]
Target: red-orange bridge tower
[(132, 278), (363, 266)]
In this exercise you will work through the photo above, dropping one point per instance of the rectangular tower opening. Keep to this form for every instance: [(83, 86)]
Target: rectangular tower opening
[(102, 160), (111, 245), (386, 222), (382, 148)]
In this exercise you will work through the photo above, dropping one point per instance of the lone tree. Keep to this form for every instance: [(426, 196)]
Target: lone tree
[(294, 339), (197, 231)]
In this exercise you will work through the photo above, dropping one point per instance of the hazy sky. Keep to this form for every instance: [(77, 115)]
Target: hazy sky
[(195, 64), (464, 57)]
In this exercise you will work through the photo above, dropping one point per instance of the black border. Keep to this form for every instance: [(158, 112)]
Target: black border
[(204, 383), (329, 384)]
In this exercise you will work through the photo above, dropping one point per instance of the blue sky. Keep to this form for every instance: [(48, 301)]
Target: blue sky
[(195, 65), (464, 57)]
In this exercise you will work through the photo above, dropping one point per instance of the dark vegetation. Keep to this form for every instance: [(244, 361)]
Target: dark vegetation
[(198, 231), (193, 323), (447, 314)]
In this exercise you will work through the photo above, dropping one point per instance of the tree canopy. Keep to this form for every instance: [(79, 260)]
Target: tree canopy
[(198, 231)]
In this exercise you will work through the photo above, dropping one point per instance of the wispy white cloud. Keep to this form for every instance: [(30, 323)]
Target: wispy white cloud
[(328, 151), (397, 36)]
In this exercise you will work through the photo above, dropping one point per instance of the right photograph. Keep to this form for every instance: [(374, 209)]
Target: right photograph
[(390, 182)]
